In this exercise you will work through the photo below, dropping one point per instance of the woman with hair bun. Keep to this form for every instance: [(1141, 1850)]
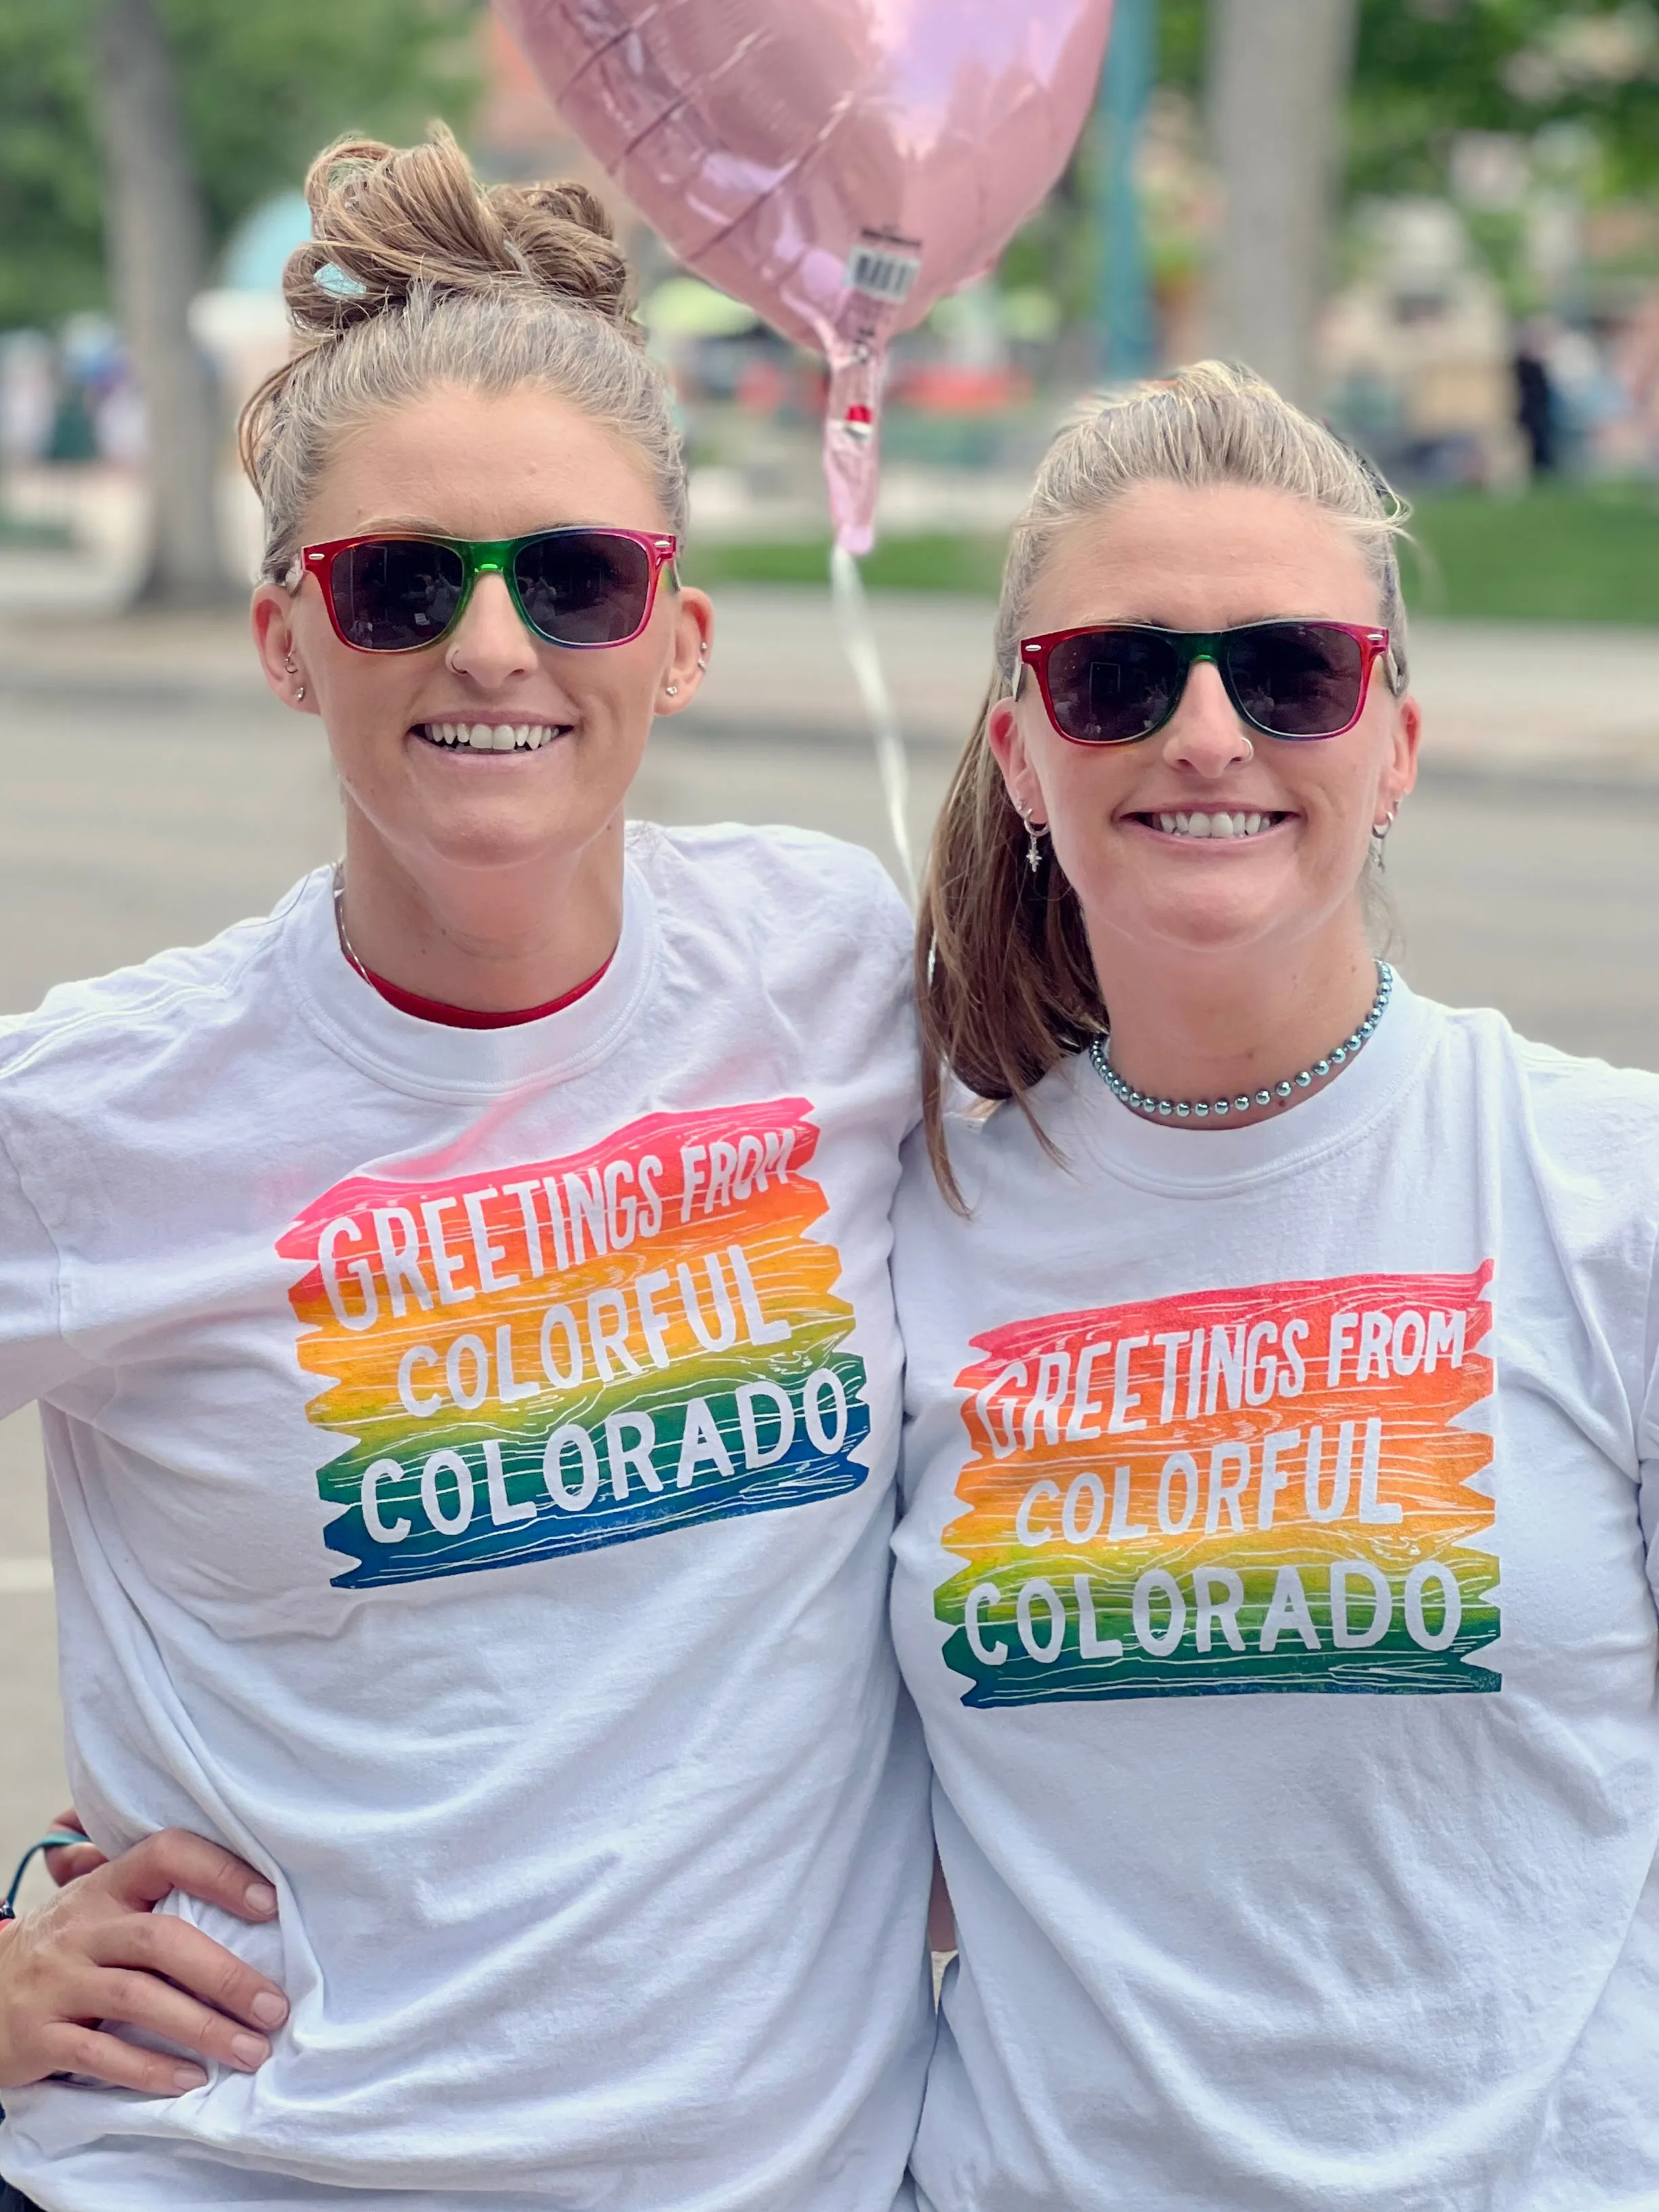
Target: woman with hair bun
[(459, 1309), (1280, 1381)]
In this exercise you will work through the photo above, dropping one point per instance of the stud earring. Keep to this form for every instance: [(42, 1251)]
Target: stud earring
[(672, 690)]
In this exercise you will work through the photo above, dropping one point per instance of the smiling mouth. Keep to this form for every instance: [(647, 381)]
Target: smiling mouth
[(491, 737), (1229, 825)]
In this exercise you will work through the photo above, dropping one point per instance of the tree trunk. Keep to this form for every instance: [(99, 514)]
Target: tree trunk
[(156, 240), (1279, 79)]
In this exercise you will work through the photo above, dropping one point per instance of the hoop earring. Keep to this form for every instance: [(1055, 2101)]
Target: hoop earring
[(1034, 832), (1380, 835)]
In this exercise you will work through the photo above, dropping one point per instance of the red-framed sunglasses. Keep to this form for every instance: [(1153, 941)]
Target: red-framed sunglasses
[(576, 587), (1112, 683)]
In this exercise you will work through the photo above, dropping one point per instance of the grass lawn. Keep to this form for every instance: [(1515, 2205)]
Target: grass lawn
[(938, 562), (1573, 553)]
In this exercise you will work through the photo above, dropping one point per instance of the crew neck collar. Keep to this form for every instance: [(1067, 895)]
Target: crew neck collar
[(1160, 1157), (430, 1059)]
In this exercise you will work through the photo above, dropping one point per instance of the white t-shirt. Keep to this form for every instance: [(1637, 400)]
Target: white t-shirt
[(472, 1463), (1273, 1589)]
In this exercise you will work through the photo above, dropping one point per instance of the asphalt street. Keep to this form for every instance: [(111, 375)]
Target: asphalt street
[(153, 794)]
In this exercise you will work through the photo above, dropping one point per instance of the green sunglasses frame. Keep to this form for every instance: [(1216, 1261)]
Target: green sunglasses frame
[(483, 557), (1191, 646)]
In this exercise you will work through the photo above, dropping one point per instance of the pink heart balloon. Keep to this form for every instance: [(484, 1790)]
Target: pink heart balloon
[(837, 164)]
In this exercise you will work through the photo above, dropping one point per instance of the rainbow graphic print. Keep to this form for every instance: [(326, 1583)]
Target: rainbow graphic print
[(1270, 1489), (578, 1351)]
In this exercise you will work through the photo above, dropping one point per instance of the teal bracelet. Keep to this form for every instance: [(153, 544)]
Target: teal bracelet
[(53, 1841)]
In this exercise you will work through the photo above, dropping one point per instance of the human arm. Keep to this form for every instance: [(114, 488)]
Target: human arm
[(98, 1951)]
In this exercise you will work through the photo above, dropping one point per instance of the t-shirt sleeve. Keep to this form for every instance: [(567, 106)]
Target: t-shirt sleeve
[(1647, 1433), (33, 1355)]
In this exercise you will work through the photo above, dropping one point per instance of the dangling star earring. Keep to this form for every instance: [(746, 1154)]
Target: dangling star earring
[(288, 663), (1034, 831)]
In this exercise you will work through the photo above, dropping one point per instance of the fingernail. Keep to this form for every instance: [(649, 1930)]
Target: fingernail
[(261, 1897), (187, 2078), (270, 2008), (249, 2050)]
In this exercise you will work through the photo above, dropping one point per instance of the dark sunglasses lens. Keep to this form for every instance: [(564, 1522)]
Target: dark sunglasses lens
[(395, 592), (1296, 680), (584, 587), (1109, 687)]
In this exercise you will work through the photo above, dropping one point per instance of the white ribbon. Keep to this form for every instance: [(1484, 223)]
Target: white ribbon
[(857, 639)]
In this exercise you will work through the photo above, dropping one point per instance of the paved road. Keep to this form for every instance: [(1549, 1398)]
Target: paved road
[(152, 793)]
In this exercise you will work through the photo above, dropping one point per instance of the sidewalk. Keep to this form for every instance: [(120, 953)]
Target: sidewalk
[(1533, 701)]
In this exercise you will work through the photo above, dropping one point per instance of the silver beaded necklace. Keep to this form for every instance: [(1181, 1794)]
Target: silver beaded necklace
[(1205, 1110)]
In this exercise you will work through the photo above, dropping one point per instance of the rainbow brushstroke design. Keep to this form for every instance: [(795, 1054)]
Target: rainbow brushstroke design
[(1265, 1489), (578, 1351)]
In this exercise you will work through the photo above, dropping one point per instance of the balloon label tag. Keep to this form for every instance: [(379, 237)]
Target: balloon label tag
[(882, 274)]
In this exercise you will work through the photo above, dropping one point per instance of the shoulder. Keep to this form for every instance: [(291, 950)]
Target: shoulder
[(172, 1005), (758, 869), (1585, 1112), (1574, 1143), (791, 900)]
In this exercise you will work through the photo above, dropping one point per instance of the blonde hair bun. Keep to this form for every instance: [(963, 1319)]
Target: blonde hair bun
[(418, 276), (386, 220)]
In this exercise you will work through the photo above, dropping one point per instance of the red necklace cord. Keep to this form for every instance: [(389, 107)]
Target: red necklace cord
[(434, 1010), (468, 1017)]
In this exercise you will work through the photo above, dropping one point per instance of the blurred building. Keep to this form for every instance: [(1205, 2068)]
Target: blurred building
[(1417, 352)]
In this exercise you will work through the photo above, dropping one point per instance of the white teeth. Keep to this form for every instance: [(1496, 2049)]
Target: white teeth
[(1214, 825), (491, 736)]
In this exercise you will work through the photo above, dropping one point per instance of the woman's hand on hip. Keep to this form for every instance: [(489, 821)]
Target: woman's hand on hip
[(98, 1951)]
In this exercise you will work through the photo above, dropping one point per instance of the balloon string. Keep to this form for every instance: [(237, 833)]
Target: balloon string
[(858, 638)]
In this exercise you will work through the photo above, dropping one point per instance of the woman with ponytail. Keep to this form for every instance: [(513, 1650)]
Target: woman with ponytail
[(1282, 1355)]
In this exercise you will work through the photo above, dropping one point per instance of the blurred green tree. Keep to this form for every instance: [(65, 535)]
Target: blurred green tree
[(1428, 69), (263, 88)]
